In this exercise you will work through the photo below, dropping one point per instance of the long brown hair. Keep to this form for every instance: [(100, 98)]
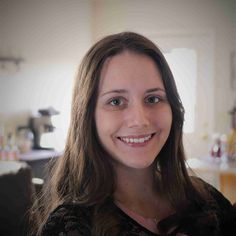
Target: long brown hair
[(84, 173)]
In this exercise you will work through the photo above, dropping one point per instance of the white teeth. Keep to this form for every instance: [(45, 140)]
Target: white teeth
[(135, 140)]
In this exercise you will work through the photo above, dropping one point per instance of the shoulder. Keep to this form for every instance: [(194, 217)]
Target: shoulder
[(68, 219), (220, 206), (215, 197)]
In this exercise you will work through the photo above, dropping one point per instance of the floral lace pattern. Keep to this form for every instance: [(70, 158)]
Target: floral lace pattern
[(219, 219), (68, 220)]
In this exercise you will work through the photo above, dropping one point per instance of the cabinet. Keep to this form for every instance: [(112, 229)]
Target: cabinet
[(228, 185), (221, 174)]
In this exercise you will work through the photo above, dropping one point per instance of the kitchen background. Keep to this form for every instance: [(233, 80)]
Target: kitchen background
[(45, 41), (41, 45)]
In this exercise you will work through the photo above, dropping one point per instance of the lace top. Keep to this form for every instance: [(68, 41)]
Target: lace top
[(148, 223), (75, 220)]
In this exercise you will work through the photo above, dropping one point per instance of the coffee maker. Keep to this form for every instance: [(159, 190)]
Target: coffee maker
[(41, 124)]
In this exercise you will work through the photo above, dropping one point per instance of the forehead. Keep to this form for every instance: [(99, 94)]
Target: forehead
[(130, 69)]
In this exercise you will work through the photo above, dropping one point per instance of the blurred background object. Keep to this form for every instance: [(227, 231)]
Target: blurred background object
[(231, 142), (25, 139), (17, 193), (42, 124)]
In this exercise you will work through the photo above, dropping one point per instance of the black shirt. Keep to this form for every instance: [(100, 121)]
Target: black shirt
[(72, 219)]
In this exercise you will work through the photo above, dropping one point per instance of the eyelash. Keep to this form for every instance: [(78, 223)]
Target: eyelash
[(151, 97), (122, 101)]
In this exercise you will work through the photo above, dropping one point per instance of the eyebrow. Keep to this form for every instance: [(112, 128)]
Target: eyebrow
[(155, 90), (126, 91)]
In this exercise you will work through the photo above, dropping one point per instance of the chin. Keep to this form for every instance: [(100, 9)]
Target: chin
[(140, 166)]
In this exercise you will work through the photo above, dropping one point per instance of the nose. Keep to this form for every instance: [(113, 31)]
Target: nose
[(137, 116)]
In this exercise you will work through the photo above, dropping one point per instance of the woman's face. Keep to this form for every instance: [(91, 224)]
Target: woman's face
[(133, 117)]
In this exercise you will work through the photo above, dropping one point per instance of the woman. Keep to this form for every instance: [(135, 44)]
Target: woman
[(123, 170)]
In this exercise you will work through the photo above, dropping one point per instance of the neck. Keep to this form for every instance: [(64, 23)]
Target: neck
[(135, 188)]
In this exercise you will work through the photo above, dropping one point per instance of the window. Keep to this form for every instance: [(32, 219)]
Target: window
[(183, 64)]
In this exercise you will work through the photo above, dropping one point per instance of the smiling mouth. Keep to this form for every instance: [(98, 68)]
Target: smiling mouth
[(141, 139)]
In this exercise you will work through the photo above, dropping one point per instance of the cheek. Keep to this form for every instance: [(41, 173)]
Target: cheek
[(106, 124), (163, 118), (168, 119), (98, 122)]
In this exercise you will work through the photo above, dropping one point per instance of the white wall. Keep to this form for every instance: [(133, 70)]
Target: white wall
[(52, 36), (234, 46)]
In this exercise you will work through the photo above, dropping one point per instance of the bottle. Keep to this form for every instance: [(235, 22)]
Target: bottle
[(216, 149), (11, 148)]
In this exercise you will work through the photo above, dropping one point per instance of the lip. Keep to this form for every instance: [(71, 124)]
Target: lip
[(136, 136), (136, 144)]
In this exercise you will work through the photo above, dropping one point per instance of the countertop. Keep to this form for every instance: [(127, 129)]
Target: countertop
[(8, 167), (212, 164), (35, 155)]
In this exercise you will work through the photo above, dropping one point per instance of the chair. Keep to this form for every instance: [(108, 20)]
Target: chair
[(16, 196)]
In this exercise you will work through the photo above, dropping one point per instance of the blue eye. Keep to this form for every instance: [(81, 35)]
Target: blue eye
[(152, 99), (116, 102)]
